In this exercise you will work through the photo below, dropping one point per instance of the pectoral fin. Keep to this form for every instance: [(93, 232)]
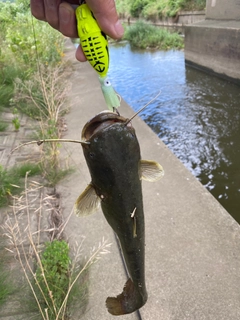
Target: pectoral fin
[(150, 170), (88, 202)]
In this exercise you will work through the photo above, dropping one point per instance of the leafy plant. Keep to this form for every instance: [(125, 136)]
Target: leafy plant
[(52, 275), (143, 35), (137, 7), (15, 120)]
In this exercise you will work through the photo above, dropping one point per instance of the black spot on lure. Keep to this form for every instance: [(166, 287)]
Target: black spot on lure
[(114, 161)]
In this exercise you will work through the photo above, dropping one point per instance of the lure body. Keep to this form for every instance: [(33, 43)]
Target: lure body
[(95, 47), (93, 41)]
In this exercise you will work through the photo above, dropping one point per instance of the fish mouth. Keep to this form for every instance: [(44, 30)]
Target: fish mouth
[(100, 121)]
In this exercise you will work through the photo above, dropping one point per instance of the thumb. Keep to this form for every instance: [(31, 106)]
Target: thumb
[(105, 13)]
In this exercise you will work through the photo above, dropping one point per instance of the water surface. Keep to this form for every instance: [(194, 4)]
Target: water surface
[(197, 115)]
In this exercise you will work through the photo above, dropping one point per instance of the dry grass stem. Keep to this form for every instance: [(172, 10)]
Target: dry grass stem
[(25, 235)]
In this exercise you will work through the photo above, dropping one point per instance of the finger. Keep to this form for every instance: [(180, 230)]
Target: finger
[(51, 12), (37, 9), (80, 55), (67, 20), (106, 15)]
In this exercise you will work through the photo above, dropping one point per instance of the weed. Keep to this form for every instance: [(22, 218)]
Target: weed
[(11, 181), (6, 287), (9, 185), (57, 277), (8, 72), (15, 120), (3, 125), (143, 35), (55, 263), (44, 98), (31, 168)]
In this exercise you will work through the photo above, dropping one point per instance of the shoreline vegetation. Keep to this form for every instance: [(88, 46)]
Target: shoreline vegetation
[(142, 35), (154, 9)]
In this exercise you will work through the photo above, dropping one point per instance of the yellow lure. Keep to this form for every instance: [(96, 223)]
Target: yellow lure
[(95, 47)]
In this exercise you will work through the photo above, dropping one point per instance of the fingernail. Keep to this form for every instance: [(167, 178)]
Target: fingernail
[(119, 29)]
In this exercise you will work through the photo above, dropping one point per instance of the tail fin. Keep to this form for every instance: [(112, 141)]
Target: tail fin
[(128, 301)]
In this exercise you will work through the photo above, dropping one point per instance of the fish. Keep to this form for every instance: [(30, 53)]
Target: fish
[(112, 154)]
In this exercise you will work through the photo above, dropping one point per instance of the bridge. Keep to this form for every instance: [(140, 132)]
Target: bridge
[(213, 44)]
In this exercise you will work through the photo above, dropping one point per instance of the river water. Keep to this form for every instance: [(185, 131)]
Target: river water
[(197, 115)]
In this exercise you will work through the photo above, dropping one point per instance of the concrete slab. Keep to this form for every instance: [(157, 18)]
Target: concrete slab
[(213, 46), (192, 243)]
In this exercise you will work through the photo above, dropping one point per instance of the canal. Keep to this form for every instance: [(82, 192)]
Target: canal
[(196, 115)]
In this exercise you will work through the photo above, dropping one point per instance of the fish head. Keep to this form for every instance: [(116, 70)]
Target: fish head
[(112, 143), (103, 121)]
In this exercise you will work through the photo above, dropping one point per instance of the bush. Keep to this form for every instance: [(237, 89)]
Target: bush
[(148, 8), (137, 7), (52, 276), (142, 35)]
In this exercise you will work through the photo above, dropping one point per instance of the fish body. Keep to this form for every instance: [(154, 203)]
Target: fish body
[(95, 47), (115, 165)]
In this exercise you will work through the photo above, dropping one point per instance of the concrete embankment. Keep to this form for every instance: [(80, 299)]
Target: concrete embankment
[(213, 44), (192, 243)]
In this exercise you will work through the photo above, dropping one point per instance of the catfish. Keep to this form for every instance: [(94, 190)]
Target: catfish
[(112, 153)]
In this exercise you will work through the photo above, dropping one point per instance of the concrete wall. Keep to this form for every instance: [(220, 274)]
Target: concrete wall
[(213, 44), (223, 9)]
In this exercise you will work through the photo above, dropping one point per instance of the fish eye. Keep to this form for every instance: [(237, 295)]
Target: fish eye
[(91, 155), (107, 83)]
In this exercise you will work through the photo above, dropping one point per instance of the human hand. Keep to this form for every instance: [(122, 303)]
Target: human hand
[(61, 16)]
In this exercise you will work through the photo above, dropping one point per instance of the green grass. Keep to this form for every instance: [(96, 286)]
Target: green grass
[(6, 285), (12, 180), (3, 125), (142, 35), (8, 73), (21, 170)]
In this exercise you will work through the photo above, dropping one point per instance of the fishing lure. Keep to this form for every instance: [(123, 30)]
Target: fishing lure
[(95, 47)]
